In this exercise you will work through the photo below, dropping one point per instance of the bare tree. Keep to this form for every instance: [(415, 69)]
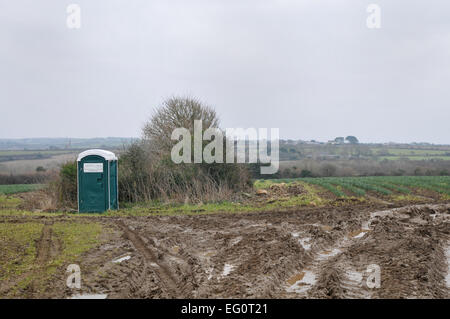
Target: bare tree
[(176, 112)]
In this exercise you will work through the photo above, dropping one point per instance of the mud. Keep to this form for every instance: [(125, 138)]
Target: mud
[(311, 253)]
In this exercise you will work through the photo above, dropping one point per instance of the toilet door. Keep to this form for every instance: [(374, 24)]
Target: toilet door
[(93, 187)]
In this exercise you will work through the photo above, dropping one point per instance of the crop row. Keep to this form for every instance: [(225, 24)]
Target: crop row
[(384, 185), (19, 188)]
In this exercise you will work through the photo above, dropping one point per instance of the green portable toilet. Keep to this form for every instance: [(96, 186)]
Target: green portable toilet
[(97, 181)]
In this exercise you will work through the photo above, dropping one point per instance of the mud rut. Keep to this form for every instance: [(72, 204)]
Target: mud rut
[(279, 255), (47, 246), (156, 262), (331, 261), (334, 268), (312, 253), (43, 245)]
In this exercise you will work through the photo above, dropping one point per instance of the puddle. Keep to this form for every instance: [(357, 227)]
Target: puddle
[(227, 269), (301, 282), (329, 253), (209, 253), (119, 260), (361, 234), (354, 276), (358, 233), (176, 249), (418, 220), (256, 225), (236, 240), (305, 242), (396, 212), (326, 228), (366, 225), (209, 271), (89, 296)]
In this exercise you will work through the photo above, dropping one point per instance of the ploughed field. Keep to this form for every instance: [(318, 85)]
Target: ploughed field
[(366, 246)]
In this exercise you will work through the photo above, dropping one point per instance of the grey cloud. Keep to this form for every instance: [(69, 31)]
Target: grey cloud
[(310, 68)]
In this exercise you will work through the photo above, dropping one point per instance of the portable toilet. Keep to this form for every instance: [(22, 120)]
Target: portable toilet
[(97, 181)]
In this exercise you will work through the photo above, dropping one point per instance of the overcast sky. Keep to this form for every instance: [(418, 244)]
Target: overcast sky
[(312, 68)]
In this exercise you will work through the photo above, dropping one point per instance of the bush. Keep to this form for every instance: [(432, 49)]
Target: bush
[(63, 188), (146, 171), (306, 173), (143, 179)]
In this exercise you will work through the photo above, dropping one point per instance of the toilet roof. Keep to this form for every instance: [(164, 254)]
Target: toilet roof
[(107, 155)]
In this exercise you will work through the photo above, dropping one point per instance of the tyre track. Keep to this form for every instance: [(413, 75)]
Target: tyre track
[(331, 267), (349, 281), (302, 283), (41, 258), (167, 280), (182, 264), (43, 246)]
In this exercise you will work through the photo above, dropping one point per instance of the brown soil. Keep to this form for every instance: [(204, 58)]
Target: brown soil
[(310, 253)]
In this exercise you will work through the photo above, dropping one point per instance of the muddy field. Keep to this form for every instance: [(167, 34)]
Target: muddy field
[(312, 253)]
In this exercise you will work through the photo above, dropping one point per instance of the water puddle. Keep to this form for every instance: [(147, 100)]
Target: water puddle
[(301, 282), (120, 259), (236, 240), (227, 269), (329, 253), (326, 228), (306, 243), (366, 225), (89, 296), (209, 271), (209, 253), (354, 276), (358, 233), (361, 234), (176, 249), (395, 212)]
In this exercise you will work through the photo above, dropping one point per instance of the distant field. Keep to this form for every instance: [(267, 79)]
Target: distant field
[(411, 152), (19, 188), (34, 152), (415, 158), (290, 152), (381, 185), (26, 161), (29, 166)]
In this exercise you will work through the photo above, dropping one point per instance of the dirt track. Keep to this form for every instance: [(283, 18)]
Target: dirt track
[(313, 253)]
